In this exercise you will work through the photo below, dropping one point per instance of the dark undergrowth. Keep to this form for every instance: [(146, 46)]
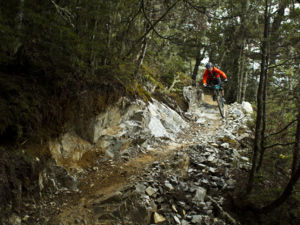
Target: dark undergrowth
[(35, 106), (246, 209)]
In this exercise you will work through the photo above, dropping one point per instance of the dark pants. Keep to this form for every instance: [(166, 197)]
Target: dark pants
[(214, 82)]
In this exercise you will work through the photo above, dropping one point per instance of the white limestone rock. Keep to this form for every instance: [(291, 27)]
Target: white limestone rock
[(247, 107)]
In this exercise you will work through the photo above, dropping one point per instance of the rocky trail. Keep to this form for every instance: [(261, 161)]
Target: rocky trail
[(175, 175)]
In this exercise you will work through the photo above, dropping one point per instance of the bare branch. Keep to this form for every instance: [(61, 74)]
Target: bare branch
[(133, 18), (175, 81), (169, 38), (200, 9), (64, 13), (283, 129), (157, 21), (148, 20), (286, 62), (279, 144), (151, 26)]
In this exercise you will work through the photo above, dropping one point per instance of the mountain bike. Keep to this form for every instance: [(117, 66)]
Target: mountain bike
[(220, 100)]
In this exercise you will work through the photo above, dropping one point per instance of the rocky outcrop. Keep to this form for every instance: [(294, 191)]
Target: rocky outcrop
[(121, 129), (194, 96)]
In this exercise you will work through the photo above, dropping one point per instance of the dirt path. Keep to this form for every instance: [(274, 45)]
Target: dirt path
[(102, 181)]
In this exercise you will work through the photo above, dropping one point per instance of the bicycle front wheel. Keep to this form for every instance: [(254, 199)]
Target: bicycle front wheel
[(221, 104)]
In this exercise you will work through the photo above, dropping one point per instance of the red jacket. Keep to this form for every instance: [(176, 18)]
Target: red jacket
[(215, 74)]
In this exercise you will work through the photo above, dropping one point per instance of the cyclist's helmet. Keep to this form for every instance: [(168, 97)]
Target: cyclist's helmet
[(209, 65)]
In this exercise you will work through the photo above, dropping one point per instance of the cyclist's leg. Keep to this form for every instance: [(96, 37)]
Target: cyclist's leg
[(220, 83), (214, 96), (222, 93), (212, 92)]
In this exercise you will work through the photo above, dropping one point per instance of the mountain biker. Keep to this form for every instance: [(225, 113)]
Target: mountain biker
[(212, 76)]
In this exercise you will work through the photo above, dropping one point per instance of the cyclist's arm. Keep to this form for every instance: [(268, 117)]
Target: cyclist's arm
[(223, 75), (205, 75)]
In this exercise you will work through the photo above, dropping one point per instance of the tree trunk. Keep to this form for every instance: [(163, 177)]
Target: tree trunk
[(244, 86), (245, 82), (228, 49), (262, 141), (257, 140), (241, 73), (196, 67), (241, 60), (295, 162), (141, 57), (108, 39), (199, 58), (93, 54), (238, 93), (275, 28), (19, 26), (264, 115), (20, 16)]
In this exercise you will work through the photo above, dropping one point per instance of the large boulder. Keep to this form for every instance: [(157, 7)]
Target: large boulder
[(247, 107), (68, 149), (193, 95), (164, 121)]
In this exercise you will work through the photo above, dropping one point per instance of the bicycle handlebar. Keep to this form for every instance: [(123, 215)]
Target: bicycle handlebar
[(214, 87)]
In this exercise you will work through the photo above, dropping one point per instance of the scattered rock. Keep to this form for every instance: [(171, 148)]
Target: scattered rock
[(169, 186), (245, 158), (184, 222), (197, 219), (158, 218), (225, 145), (150, 191), (174, 208), (15, 220), (25, 218), (177, 220), (140, 188), (200, 194)]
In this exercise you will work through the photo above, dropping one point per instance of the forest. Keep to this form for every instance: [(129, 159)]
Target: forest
[(63, 61)]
